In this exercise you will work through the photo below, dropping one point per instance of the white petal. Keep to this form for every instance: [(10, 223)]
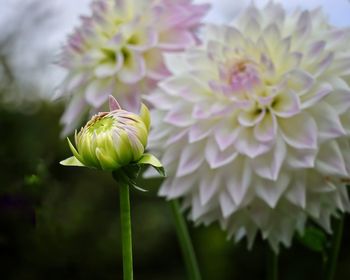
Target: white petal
[(208, 186), (296, 192), (238, 181), (246, 144), (269, 165), (133, 69), (330, 160), (217, 158), (179, 116), (250, 118), (190, 160), (271, 193), (315, 95), (299, 81), (339, 99), (180, 186), (97, 92), (299, 131), (301, 158), (227, 205), (266, 130), (328, 123), (200, 130), (225, 134), (286, 104)]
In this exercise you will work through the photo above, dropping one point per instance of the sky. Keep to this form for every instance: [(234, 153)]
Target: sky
[(30, 41)]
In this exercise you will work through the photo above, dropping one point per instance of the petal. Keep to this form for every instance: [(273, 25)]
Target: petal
[(268, 165), (71, 161), (190, 159), (246, 144), (339, 99), (239, 180), (251, 118), (286, 104), (271, 193), (143, 39), (113, 103), (266, 130), (176, 40), (217, 158), (296, 193), (315, 95), (226, 204), (299, 81), (330, 160), (299, 131), (97, 92), (179, 116), (208, 186), (134, 67), (327, 120), (200, 130), (155, 65), (301, 158), (225, 134)]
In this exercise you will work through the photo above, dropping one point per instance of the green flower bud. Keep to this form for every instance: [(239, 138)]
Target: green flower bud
[(111, 140)]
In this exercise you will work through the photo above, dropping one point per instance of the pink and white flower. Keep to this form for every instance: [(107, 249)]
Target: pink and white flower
[(118, 50), (253, 126)]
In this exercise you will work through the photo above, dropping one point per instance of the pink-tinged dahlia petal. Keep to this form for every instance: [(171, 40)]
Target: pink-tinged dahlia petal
[(191, 158), (331, 161), (328, 122), (259, 117), (269, 165), (122, 44), (217, 158), (286, 104), (299, 131), (98, 91)]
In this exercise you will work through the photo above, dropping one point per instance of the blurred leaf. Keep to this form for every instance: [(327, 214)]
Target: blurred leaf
[(314, 239)]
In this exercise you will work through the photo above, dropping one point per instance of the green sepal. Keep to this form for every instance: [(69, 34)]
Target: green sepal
[(145, 116), (148, 159), (71, 161)]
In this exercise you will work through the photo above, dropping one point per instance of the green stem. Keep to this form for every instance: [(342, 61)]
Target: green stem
[(334, 252), (272, 264), (185, 242), (126, 231)]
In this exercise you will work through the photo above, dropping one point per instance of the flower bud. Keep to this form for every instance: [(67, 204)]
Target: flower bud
[(111, 140)]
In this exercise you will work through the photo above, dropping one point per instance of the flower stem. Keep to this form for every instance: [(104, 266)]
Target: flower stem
[(272, 264), (185, 242), (334, 252), (126, 231)]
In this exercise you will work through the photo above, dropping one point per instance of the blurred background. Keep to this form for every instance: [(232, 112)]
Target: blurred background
[(63, 223)]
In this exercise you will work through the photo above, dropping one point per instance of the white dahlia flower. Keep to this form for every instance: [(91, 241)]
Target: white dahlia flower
[(118, 50), (253, 126)]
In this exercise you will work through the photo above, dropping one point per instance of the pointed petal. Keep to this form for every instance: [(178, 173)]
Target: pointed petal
[(286, 104), (190, 159), (71, 161), (113, 103), (299, 131), (269, 165), (330, 160), (217, 158)]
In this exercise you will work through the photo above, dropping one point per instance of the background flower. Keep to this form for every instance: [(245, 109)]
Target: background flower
[(118, 50), (253, 126)]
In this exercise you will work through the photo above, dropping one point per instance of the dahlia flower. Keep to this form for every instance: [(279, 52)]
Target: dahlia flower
[(118, 50), (253, 126), (114, 140)]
